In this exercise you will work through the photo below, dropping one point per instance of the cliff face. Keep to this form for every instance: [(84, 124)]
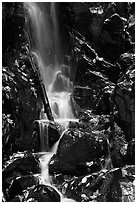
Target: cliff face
[(20, 100), (102, 58)]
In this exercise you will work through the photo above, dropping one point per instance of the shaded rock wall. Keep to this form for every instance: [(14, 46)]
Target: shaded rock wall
[(21, 101)]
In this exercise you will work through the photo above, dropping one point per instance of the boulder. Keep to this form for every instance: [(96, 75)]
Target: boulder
[(57, 166), (28, 189), (43, 193), (77, 146), (114, 39), (21, 166), (22, 183), (115, 185), (79, 151)]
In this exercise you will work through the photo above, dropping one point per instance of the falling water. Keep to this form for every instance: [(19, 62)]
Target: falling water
[(47, 49)]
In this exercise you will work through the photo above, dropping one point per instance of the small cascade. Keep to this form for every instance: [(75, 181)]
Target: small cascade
[(60, 97), (44, 160), (47, 49), (55, 76), (44, 140), (108, 161)]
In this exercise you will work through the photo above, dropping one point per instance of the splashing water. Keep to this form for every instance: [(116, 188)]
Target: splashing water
[(47, 50)]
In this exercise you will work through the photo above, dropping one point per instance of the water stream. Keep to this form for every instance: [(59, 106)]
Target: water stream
[(47, 48), (55, 75)]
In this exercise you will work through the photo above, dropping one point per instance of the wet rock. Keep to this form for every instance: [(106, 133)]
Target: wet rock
[(18, 75), (43, 193), (125, 101), (90, 146), (82, 66), (93, 187), (54, 133), (113, 36), (126, 60), (76, 148), (17, 199), (115, 185), (131, 31), (117, 158), (110, 70), (22, 183), (83, 189), (127, 184), (85, 116), (120, 187), (24, 191), (90, 90), (83, 92), (129, 157), (57, 166), (124, 96), (21, 166), (119, 148)]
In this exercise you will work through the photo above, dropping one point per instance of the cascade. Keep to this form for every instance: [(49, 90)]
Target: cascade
[(55, 75), (47, 48)]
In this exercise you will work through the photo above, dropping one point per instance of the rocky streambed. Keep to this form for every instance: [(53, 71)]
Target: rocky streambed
[(86, 167)]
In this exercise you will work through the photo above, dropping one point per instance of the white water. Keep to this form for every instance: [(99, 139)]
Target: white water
[(47, 49), (58, 86)]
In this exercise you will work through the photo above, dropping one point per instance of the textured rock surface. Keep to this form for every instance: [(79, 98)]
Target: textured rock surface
[(124, 97), (43, 193), (104, 186), (81, 144), (22, 183), (20, 100), (21, 166)]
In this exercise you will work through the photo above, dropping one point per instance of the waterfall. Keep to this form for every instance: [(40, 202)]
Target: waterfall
[(47, 48), (55, 75)]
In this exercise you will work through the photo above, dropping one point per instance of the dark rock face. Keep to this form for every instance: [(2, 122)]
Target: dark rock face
[(125, 103), (91, 83), (22, 183), (91, 145), (124, 98), (97, 176), (21, 166), (20, 100), (18, 175), (43, 193), (79, 150), (104, 186), (54, 133), (129, 158), (36, 192), (114, 39)]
